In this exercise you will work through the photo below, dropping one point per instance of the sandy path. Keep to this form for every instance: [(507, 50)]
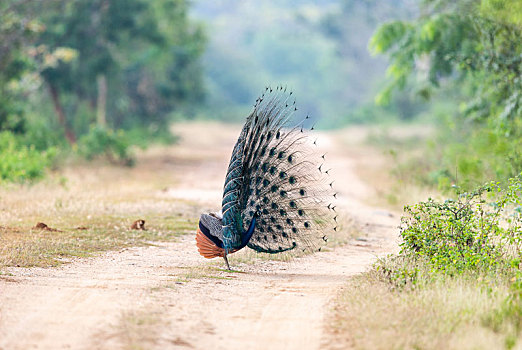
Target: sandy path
[(161, 297)]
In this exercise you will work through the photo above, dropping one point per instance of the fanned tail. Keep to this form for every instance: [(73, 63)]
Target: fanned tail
[(275, 176)]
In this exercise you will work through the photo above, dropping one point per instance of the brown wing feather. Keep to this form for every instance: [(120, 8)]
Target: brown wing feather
[(207, 248)]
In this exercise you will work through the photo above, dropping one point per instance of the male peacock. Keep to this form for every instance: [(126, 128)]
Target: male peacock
[(276, 195)]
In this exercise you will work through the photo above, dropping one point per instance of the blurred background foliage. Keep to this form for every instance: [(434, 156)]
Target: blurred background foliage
[(469, 53), (96, 77)]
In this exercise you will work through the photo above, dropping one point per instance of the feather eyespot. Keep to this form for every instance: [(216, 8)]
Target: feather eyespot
[(306, 224), (300, 212), (292, 180)]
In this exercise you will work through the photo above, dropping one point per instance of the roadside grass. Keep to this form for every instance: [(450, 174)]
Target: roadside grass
[(34, 247), (446, 313), (90, 209)]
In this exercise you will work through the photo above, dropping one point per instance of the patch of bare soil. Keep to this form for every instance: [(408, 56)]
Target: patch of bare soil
[(166, 296)]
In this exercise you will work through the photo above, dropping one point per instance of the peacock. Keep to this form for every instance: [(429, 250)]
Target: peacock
[(277, 193)]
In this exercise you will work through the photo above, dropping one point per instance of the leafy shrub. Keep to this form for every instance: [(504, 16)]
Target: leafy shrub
[(102, 142), (19, 163), (481, 229)]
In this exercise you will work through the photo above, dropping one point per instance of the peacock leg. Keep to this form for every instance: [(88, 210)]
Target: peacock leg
[(226, 261)]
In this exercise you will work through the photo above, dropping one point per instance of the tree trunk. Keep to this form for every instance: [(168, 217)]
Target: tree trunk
[(69, 134), (101, 103)]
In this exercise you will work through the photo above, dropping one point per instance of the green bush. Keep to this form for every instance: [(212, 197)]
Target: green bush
[(480, 229), (20, 163), (102, 142)]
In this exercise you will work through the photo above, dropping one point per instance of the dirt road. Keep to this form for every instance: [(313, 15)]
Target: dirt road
[(166, 296)]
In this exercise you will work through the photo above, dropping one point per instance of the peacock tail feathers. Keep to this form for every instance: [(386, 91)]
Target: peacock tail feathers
[(276, 178)]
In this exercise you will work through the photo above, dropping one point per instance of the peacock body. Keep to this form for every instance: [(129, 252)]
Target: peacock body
[(277, 195)]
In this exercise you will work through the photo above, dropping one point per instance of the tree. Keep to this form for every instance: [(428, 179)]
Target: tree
[(475, 42), (131, 67), (473, 49), (18, 27)]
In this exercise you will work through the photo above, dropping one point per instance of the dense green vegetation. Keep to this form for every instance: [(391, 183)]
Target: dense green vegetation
[(470, 54), (81, 73)]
